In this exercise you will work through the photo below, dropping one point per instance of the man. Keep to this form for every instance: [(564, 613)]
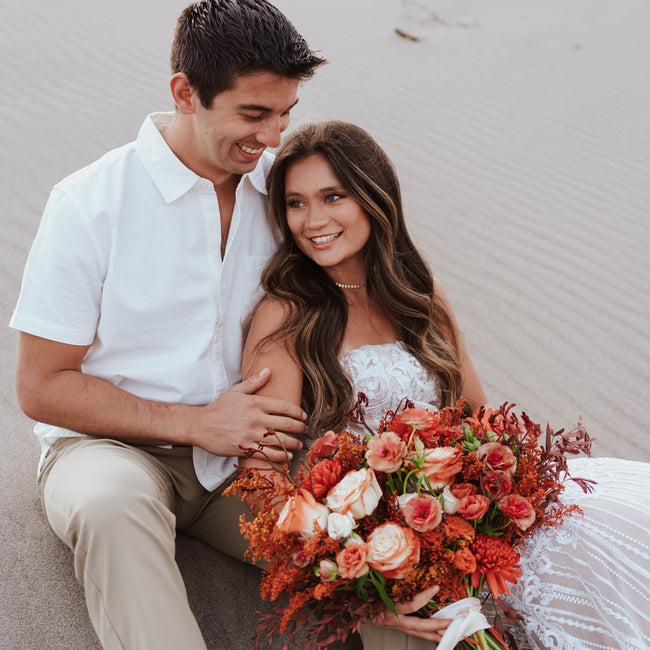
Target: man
[(143, 270)]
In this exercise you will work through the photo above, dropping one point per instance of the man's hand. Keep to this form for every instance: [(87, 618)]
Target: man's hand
[(239, 421), (425, 628), (52, 389)]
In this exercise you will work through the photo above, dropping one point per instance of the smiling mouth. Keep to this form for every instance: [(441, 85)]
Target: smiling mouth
[(324, 239), (251, 151)]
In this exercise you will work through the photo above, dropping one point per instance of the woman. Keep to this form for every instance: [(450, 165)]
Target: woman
[(351, 306)]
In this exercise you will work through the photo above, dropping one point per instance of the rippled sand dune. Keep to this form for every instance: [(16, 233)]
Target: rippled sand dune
[(521, 133)]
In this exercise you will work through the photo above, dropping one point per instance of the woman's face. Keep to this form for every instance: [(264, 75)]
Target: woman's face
[(326, 221)]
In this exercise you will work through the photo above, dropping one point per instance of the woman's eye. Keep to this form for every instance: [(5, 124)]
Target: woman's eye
[(294, 203), (331, 198)]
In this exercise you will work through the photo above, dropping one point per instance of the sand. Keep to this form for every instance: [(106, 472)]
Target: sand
[(521, 133)]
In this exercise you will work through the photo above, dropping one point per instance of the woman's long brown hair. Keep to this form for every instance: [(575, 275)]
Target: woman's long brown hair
[(397, 277)]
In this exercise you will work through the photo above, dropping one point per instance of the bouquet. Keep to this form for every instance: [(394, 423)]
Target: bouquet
[(432, 498)]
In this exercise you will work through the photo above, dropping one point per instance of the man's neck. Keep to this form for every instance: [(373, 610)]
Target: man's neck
[(225, 184), (179, 139)]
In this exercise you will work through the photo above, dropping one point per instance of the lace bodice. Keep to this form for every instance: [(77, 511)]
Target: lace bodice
[(387, 373), (585, 584)]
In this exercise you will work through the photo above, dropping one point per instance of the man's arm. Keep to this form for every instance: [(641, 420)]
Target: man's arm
[(52, 389)]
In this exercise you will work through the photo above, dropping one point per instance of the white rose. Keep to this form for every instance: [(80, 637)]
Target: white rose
[(339, 526), (403, 499), (449, 501), (357, 493)]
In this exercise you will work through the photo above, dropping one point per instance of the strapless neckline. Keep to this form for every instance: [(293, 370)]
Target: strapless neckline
[(370, 347)]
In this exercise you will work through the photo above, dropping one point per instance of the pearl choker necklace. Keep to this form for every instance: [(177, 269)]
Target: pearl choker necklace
[(349, 286)]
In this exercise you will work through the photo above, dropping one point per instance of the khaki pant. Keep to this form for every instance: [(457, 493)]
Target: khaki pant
[(118, 507)]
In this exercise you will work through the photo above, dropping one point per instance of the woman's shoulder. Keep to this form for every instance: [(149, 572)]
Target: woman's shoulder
[(271, 309), (268, 317)]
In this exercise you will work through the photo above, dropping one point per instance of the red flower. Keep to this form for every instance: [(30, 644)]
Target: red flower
[(325, 446), (497, 484), (474, 506), (496, 456), (518, 509), (497, 561), (416, 419), (322, 477), (460, 490)]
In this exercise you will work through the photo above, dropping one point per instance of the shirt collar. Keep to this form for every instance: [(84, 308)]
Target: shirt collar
[(172, 178)]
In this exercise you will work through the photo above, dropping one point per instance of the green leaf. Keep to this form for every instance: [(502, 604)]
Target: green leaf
[(379, 582)]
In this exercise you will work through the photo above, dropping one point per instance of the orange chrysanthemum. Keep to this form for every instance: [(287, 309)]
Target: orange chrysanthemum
[(322, 477), (497, 561)]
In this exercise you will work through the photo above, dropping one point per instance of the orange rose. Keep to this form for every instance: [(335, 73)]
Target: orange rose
[(474, 506), (385, 452), (301, 513), (460, 490), (357, 492), (352, 560), (496, 456), (464, 560), (518, 509), (394, 550), (457, 529), (441, 465)]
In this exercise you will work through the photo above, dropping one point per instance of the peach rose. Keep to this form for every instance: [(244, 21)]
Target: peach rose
[(497, 484), (518, 509), (352, 560), (474, 506), (464, 560), (357, 492), (441, 465), (300, 514), (496, 456), (385, 452), (394, 550), (423, 513), (460, 490)]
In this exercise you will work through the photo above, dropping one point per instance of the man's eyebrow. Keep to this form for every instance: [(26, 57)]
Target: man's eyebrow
[(262, 109)]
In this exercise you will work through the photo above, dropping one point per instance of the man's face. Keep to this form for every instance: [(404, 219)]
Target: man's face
[(231, 135)]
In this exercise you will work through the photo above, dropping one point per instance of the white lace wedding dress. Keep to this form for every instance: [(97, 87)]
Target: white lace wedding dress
[(586, 584)]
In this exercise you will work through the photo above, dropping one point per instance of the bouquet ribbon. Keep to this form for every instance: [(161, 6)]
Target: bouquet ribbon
[(468, 619)]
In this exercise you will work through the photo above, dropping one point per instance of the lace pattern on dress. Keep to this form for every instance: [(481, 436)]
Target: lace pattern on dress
[(387, 373), (586, 584)]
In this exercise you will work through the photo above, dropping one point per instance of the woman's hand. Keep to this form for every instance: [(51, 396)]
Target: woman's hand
[(425, 628)]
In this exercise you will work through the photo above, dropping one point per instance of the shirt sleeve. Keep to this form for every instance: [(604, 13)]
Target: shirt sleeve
[(61, 290)]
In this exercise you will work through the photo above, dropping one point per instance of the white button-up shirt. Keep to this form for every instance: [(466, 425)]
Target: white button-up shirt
[(127, 260)]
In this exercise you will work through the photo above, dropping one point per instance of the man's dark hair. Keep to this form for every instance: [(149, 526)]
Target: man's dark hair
[(219, 40)]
